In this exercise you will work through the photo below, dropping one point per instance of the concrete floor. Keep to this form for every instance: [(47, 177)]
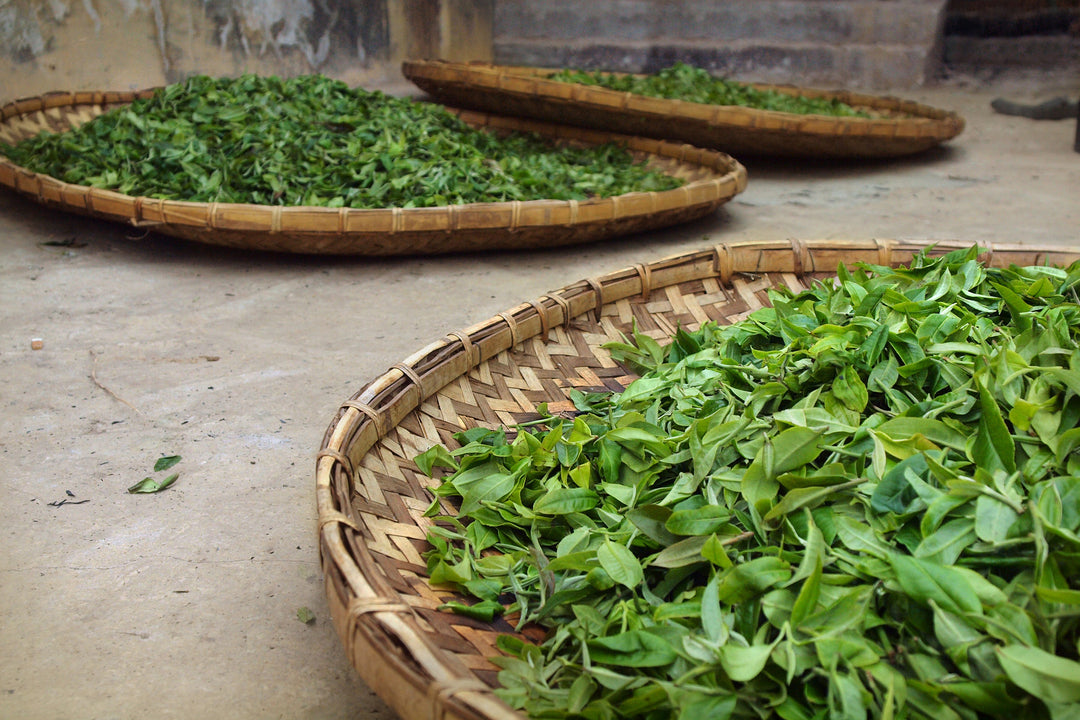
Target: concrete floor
[(184, 604)]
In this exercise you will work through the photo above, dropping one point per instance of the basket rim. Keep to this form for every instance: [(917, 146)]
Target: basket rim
[(729, 127), (201, 220), (486, 73), (378, 407)]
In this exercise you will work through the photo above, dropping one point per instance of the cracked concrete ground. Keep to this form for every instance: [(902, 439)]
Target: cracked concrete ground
[(183, 604)]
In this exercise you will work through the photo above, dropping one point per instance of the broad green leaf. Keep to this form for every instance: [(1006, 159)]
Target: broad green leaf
[(166, 462), (485, 610), (694, 706), (831, 474), (1050, 678), (580, 561), (652, 521), (643, 388), (1069, 378), (712, 615), (873, 345), (699, 521), (684, 552), (742, 663), (563, 501), (993, 447), (840, 610), (849, 648), (790, 449), (859, 537), (849, 389), (633, 648), (436, 456), (582, 476), (458, 573), (945, 544), (807, 599), (620, 564), (846, 697), (1058, 595), (150, 485), (896, 493), (956, 635), (581, 691), (806, 497), (993, 519), (713, 550), (742, 582), (990, 698), (936, 431), (924, 580)]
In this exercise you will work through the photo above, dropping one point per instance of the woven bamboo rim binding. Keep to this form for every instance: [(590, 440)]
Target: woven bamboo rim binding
[(904, 127), (371, 497), (712, 178)]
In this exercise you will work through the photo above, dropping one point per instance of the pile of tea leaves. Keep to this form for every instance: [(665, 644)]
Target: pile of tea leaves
[(692, 84), (314, 141), (862, 501)]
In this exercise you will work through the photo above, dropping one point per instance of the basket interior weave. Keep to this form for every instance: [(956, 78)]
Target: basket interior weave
[(372, 496)]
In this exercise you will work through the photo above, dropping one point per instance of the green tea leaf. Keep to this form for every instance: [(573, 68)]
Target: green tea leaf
[(634, 648), (692, 84), (682, 553), (742, 582), (166, 462), (485, 610), (1048, 677), (742, 663), (150, 485), (790, 449), (651, 520), (620, 564), (993, 519), (563, 501), (993, 448), (925, 580), (699, 521)]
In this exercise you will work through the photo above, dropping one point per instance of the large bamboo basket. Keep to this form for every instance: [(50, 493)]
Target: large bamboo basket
[(712, 178), (371, 497), (900, 127)]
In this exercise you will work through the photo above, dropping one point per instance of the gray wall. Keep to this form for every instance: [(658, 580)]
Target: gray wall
[(50, 45)]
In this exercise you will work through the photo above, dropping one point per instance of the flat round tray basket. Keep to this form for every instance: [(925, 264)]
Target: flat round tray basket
[(371, 496), (711, 178), (898, 127)]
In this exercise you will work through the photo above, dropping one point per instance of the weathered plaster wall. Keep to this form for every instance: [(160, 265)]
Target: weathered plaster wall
[(125, 44)]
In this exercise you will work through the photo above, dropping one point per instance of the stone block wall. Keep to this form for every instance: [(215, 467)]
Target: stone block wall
[(852, 43)]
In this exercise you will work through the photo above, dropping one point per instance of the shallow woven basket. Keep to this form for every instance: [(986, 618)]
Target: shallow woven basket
[(371, 497), (901, 127), (712, 178)]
